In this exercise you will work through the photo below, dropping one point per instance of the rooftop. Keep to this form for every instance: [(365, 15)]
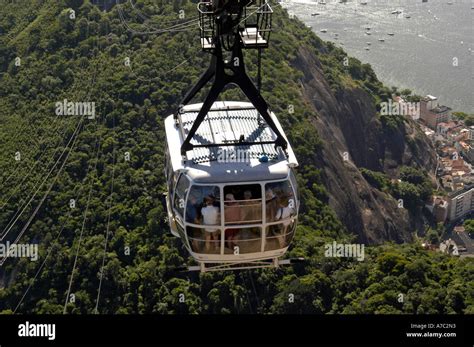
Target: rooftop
[(449, 124), (228, 122), (430, 98), (440, 109)]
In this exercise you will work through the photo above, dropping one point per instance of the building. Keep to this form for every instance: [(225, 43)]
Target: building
[(447, 151), (432, 113), (449, 247), (439, 208), (430, 101), (461, 203), (467, 150), (464, 135), (411, 109), (459, 165), (443, 127)]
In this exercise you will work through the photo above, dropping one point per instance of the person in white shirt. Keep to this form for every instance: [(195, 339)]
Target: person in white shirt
[(210, 216)]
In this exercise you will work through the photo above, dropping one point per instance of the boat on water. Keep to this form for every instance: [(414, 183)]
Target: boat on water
[(324, 30), (391, 34), (382, 40)]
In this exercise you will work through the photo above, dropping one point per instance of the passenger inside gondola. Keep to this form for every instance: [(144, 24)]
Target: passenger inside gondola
[(248, 200), (280, 208), (210, 216), (284, 212), (242, 205), (232, 215), (271, 205), (232, 210), (193, 210)]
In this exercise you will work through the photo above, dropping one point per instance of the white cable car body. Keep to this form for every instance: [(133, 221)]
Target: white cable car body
[(255, 200), (232, 195)]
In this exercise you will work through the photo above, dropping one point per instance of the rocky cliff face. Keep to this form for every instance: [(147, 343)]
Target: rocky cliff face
[(346, 122)]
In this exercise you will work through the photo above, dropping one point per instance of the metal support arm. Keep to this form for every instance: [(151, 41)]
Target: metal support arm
[(226, 72)]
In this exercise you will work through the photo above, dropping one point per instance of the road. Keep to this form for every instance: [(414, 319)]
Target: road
[(467, 241)]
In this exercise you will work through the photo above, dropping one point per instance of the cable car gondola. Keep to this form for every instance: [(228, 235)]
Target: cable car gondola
[(232, 194)]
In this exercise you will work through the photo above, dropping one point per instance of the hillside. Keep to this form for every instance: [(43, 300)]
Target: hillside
[(118, 219), (346, 119)]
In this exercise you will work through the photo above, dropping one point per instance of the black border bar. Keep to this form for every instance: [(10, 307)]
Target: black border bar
[(291, 330)]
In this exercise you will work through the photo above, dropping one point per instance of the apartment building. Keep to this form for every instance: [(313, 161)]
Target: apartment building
[(461, 203)]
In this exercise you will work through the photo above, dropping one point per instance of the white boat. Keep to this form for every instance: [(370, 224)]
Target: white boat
[(324, 30)]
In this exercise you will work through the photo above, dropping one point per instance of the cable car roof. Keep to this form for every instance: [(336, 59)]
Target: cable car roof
[(227, 122)]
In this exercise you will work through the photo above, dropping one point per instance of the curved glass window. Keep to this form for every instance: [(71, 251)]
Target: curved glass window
[(243, 204), (279, 236), (203, 205), (180, 193), (294, 183), (242, 240), (180, 231), (226, 227), (204, 240), (280, 201)]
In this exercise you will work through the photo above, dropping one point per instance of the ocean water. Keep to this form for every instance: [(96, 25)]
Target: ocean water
[(431, 50)]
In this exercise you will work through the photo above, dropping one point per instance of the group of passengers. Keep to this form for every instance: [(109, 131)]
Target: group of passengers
[(279, 207), (241, 206)]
